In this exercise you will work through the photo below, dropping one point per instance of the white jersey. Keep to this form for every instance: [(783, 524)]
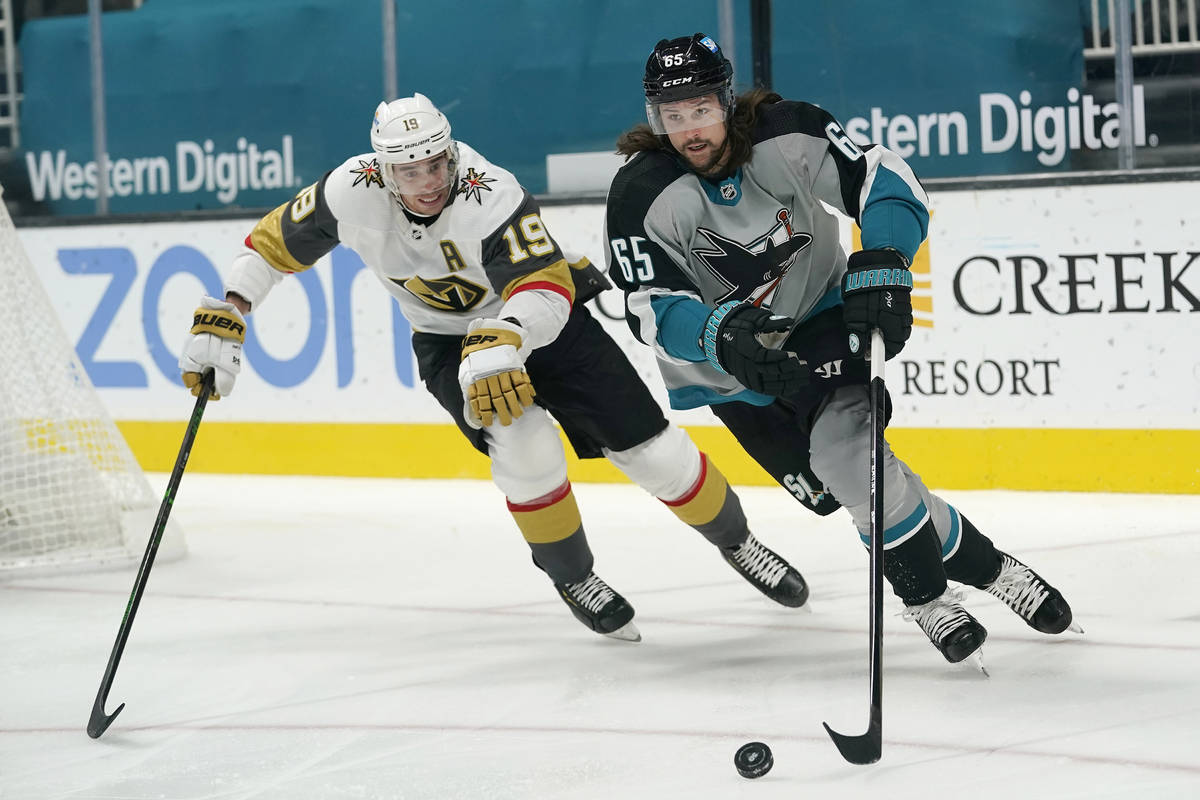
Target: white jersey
[(486, 244)]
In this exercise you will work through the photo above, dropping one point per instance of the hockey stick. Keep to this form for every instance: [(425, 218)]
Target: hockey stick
[(868, 747), (99, 721)]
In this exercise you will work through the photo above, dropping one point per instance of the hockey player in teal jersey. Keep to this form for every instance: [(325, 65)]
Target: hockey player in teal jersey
[(503, 341), (734, 274)]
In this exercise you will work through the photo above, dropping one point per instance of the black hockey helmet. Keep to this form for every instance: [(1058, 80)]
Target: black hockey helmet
[(684, 68)]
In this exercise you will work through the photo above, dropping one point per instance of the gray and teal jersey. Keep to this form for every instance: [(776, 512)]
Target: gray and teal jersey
[(679, 245)]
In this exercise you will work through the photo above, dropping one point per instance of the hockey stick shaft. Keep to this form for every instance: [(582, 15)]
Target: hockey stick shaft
[(868, 747), (878, 418), (99, 721)]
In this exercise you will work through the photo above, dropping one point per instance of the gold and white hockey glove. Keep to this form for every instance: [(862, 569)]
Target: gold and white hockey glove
[(492, 372), (215, 342)]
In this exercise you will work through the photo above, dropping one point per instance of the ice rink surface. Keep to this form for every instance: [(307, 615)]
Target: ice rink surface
[(332, 639)]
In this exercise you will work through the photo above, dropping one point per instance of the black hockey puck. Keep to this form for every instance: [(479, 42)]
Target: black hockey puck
[(753, 760)]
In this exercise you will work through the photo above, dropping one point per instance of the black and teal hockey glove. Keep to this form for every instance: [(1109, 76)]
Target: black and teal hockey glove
[(741, 340), (876, 293)]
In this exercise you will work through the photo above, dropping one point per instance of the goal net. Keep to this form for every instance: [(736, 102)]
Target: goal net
[(72, 496)]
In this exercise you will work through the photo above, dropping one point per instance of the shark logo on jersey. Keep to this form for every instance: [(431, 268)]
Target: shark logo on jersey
[(368, 173), (473, 183), (451, 293), (753, 271)]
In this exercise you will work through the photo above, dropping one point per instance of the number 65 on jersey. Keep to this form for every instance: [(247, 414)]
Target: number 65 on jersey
[(629, 251)]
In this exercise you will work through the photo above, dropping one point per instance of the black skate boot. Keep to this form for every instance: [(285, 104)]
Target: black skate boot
[(767, 572), (1027, 593), (954, 632), (596, 605)]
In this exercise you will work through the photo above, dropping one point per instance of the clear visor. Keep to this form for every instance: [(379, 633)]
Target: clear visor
[(422, 177), (685, 115)]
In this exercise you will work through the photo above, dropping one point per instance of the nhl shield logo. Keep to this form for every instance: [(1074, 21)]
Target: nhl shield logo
[(729, 190)]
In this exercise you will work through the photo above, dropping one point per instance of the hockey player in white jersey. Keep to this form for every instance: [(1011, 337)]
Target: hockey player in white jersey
[(503, 341), (722, 242)]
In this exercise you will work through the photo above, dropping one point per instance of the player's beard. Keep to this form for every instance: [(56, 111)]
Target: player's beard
[(711, 165)]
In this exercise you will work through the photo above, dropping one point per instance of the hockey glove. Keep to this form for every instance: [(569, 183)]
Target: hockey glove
[(740, 339), (876, 293), (218, 331), (492, 373)]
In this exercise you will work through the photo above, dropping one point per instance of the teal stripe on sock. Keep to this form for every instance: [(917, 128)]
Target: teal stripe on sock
[(901, 530)]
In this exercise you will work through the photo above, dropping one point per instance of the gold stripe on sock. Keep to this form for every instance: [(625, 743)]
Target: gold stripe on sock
[(702, 504), (543, 523)]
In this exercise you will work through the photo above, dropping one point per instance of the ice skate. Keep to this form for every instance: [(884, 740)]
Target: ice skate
[(596, 605), (954, 632), (767, 572), (1038, 603)]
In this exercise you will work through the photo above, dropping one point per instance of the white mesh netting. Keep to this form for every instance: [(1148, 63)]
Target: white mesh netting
[(71, 494)]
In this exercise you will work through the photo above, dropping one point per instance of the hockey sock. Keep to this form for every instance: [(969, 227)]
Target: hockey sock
[(554, 530), (712, 508), (914, 567), (974, 559)]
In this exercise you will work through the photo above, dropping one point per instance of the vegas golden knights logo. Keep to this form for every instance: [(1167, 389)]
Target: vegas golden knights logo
[(451, 293)]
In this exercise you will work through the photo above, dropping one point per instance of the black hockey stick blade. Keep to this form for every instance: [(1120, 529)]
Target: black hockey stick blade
[(868, 747), (99, 721), (863, 749)]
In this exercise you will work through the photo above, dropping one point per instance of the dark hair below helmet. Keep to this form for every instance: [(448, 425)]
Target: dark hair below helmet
[(690, 66)]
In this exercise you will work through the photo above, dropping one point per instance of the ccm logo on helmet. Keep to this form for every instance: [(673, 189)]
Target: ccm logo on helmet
[(677, 81)]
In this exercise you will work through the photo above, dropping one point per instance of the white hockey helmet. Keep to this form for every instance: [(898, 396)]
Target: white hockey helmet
[(408, 131)]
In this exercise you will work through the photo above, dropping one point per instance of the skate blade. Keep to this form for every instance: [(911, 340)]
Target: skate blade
[(974, 660), (1074, 628), (626, 633)]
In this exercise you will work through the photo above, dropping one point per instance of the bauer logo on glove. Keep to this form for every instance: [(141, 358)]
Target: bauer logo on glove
[(475, 340), (206, 321), (214, 342)]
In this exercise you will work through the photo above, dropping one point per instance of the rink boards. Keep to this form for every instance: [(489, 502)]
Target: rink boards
[(1054, 348)]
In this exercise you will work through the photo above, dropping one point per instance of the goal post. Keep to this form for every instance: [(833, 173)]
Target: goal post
[(72, 496)]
